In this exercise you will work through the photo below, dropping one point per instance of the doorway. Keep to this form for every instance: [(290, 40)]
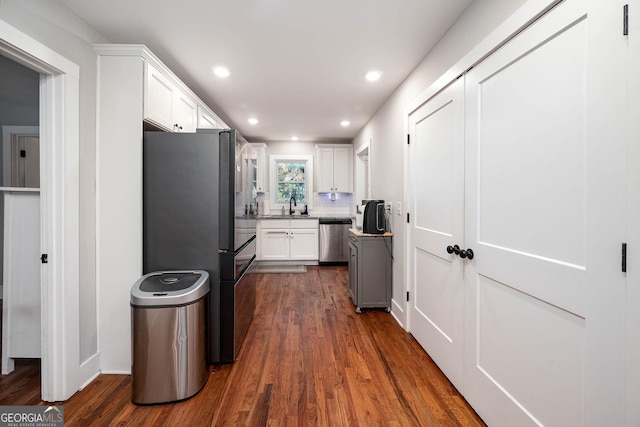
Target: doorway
[(19, 215), (59, 98)]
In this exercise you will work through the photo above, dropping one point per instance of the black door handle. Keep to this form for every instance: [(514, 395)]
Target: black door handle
[(466, 253), (462, 253)]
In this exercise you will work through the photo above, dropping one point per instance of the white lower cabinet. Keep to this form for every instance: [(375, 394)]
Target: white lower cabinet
[(273, 245), (303, 243), (287, 240)]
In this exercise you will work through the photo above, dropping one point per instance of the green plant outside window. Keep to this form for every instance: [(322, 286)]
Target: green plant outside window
[(291, 181)]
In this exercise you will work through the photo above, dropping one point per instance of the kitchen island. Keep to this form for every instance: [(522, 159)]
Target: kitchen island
[(370, 269)]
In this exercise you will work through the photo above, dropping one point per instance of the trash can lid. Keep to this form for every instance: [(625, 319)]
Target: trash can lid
[(162, 288)]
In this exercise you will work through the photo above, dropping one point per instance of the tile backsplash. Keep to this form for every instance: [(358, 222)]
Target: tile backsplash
[(342, 205), (322, 204)]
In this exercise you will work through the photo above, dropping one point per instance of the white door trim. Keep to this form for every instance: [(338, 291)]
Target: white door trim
[(59, 130), (360, 188)]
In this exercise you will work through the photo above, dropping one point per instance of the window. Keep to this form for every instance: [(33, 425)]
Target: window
[(291, 176), (290, 181)]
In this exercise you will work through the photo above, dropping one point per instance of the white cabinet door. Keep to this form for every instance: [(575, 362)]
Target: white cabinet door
[(184, 113), (273, 244), (325, 170), (260, 164), (158, 98), (342, 170), (304, 243), (205, 120)]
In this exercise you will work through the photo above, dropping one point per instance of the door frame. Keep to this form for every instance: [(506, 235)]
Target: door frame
[(62, 373)]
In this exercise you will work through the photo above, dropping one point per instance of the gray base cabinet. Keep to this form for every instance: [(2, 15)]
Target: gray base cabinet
[(370, 270)]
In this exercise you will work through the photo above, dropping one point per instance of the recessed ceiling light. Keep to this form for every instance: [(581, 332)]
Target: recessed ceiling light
[(294, 138), (373, 75), (221, 72), (253, 121), (345, 123)]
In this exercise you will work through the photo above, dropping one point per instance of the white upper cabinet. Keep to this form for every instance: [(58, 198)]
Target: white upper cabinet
[(184, 113), (158, 97), (206, 120), (165, 105), (260, 167), (324, 159), (334, 166), (342, 169)]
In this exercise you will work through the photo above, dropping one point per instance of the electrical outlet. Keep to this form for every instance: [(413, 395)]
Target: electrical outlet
[(388, 207), (399, 208)]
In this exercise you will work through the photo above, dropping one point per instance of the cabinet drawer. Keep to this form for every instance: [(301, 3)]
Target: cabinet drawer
[(304, 223), (274, 223)]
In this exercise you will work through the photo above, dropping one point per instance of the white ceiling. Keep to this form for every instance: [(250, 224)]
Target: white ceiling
[(297, 66)]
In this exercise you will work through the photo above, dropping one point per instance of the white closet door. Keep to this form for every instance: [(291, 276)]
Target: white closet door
[(632, 355), (436, 166), (542, 191)]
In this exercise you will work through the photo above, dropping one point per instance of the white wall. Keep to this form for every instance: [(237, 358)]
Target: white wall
[(54, 26), (304, 148), (386, 129)]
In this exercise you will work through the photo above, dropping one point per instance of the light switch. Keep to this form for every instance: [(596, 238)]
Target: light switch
[(398, 208)]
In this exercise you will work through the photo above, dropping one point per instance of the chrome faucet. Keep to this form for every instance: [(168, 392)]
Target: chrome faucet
[(291, 211)]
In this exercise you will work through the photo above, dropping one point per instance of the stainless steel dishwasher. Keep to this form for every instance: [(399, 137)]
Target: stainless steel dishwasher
[(334, 240)]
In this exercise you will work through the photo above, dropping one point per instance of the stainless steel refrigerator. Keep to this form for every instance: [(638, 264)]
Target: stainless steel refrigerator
[(199, 206)]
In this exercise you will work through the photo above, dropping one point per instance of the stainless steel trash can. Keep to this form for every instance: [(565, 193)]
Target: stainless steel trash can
[(168, 322)]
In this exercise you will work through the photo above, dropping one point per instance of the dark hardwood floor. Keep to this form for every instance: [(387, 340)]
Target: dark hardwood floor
[(308, 359)]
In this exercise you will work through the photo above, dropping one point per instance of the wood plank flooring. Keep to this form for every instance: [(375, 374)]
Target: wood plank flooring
[(308, 359)]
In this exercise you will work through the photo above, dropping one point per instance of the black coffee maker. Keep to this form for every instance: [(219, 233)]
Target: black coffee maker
[(373, 220)]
